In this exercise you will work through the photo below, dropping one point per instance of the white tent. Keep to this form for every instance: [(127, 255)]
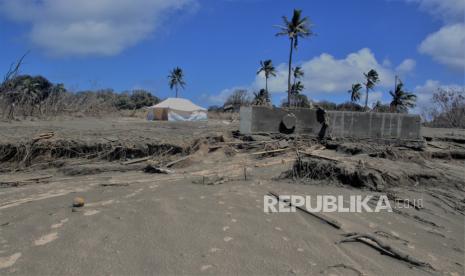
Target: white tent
[(177, 109)]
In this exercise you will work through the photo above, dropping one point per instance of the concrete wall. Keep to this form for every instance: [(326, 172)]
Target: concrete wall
[(255, 119)]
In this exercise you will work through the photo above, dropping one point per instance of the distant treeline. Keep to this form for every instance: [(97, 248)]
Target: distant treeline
[(35, 96), (446, 108)]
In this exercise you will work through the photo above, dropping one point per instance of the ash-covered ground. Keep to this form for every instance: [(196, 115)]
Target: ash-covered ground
[(188, 198)]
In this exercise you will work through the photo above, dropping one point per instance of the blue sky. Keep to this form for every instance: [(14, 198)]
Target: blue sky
[(92, 44)]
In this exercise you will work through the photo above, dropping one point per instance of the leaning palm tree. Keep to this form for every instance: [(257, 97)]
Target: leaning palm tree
[(372, 79), (176, 79), (269, 70), (296, 28), (402, 100), (355, 92)]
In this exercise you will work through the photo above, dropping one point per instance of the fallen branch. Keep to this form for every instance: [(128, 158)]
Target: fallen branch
[(134, 161), (329, 221), (384, 248), (315, 154), (172, 163), (270, 151)]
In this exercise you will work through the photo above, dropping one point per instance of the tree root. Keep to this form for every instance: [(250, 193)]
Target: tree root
[(384, 248)]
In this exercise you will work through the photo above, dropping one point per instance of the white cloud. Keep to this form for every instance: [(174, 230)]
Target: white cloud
[(374, 97), (446, 10), (326, 74), (447, 46), (407, 66), (90, 27)]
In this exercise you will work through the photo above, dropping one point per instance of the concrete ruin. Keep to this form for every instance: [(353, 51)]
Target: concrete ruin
[(342, 124)]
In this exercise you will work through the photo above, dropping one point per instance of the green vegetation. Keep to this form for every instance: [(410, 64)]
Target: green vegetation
[(262, 98), (402, 100), (354, 92)]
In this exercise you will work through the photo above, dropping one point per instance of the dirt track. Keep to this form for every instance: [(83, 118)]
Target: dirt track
[(138, 223)]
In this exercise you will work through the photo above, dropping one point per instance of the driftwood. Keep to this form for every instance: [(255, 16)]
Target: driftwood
[(270, 151), (384, 248), (321, 217), (172, 163), (134, 161)]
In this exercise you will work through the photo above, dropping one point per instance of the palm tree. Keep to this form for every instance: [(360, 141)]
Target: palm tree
[(296, 90), (269, 70), (261, 98), (402, 100), (176, 79), (372, 79), (297, 27), (297, 73), (355, 92)]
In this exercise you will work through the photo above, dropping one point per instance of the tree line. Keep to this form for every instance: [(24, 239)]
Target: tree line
[(301, 27), (35, 96)]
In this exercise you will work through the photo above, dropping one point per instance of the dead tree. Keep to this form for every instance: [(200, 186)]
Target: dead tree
[(14, 69)]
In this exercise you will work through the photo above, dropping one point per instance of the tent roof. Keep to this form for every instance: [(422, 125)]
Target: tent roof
[(179, 104)]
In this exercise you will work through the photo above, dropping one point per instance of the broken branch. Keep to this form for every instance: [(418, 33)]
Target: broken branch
[(384, 248)]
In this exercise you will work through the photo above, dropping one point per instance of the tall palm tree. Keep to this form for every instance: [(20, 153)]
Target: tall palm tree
[(296, 28), (372, 79), (269, 70), (176, 79), (402, 100), (355, 92)]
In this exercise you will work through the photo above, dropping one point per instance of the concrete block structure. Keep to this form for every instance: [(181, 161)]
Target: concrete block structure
[(342, 124)]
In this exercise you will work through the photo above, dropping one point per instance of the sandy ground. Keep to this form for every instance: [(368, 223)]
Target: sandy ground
[(134, 223)]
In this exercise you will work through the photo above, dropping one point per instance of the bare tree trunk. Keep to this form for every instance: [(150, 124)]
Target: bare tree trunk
[(289, 75), (366, 99), (266, 84), (176, 91)]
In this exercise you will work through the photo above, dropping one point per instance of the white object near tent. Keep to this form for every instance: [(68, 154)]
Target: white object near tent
[(177, 109)]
